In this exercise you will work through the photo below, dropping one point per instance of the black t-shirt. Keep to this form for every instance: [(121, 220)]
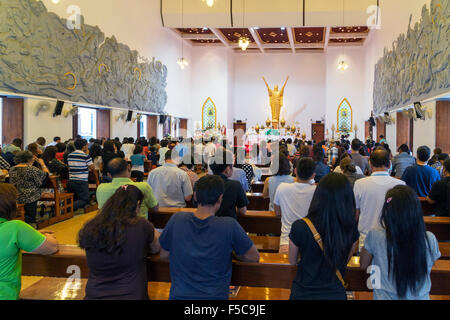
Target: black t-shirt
[(315, 279), (233, 197), (440, 192), (124, 276)]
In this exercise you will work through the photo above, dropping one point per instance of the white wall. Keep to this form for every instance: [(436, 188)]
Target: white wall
[(120, 128), (424, 131), (44, 125), (304, 96), (346, 84), (210, 77)]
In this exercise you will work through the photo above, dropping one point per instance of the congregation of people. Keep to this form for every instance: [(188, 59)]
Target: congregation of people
[(335, 199)]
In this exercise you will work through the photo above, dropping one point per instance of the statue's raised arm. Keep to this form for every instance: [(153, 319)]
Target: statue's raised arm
[(267, 85), (282, 89)]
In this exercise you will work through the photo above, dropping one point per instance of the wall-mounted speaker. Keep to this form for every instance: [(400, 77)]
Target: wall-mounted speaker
[(129, 116), (58, 109)]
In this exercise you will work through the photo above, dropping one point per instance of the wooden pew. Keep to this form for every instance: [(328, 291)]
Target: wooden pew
[(257, 202), (258, 186), (428, 209), (244, 273), (20, 212), (266, 222), (63, 204)]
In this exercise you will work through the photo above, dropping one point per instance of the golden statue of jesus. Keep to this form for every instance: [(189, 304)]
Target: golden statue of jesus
[(276, 100)]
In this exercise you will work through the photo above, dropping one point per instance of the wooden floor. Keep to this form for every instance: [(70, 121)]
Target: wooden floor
[(66, 232)]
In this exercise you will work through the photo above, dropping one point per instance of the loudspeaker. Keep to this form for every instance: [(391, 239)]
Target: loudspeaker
[(419, 111), (372, 121), (58, 109), (129, 116), (162, 119)]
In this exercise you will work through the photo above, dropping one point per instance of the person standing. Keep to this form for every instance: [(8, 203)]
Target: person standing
[(17, 236), (421, 176), (117, 242), (200, 245), (370, 192), (80, 163), (358, 159), (401, 248), (402, 161), (292, 200), (322, 243), (171, 185)]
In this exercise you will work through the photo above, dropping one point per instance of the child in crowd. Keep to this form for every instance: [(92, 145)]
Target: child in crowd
[(137, 163)]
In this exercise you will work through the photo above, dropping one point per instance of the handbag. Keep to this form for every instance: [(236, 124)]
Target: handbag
[(319, 242)]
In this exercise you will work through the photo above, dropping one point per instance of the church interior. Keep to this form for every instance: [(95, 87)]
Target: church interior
[(310, 71)]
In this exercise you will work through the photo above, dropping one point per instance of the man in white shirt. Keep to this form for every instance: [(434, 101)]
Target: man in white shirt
[(56, 140), (370, 193), (210, 150), (128, 148), (292, 200), (171, 185), (162, 151)]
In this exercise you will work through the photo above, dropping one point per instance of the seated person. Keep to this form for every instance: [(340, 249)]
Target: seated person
[(120, 173), (234, 195), (28, 181), (117, 242), (15, 236), (421, 176), (171, 185), (200, 245), (439, 164), (440, 193)]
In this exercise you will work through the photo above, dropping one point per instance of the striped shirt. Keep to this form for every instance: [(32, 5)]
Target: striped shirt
[(79, 163)]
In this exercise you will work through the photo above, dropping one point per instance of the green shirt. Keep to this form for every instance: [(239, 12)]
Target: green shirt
[(15, 236), (106, 190)]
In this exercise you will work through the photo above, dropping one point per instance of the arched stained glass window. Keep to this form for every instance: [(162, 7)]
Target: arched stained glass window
[(344, 117), (209, 115)]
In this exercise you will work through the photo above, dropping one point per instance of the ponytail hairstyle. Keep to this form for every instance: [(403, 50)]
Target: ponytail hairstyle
[(406, 239), (333, 213), (107, 231), (347, 165)]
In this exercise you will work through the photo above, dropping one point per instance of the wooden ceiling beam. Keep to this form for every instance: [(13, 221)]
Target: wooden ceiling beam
[(290, 34), (257, 39), (220, 36)]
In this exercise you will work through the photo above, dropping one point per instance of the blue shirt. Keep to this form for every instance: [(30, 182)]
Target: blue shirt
[(321, 171), (421, 178), (201, 255), (137, 160)]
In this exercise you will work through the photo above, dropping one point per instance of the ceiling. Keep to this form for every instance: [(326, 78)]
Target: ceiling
[(266, 40)]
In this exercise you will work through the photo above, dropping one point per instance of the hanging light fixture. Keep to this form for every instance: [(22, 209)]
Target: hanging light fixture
[(343, 65), (182, 62), (244, 41), (209, 3)]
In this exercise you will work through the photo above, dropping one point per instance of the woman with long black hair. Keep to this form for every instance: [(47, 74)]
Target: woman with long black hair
[(323, 260), (117, 242), (402, 248)]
